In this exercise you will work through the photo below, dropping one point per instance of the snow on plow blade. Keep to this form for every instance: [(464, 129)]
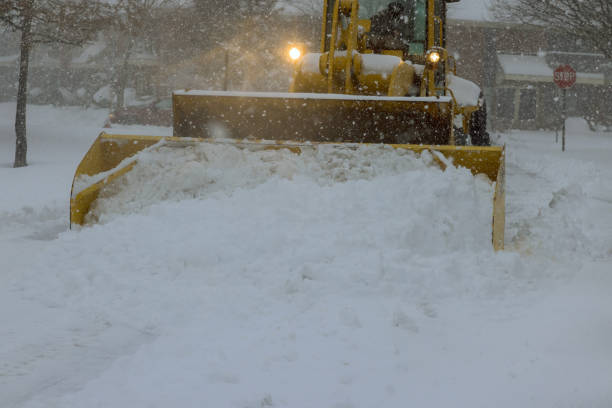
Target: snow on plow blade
[(112, 156), (313, 117)]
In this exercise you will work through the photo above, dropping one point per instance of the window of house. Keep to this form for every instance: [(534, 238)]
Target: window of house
[(504, 108)]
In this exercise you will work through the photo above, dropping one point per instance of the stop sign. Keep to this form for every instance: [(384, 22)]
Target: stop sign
[(564, 76)]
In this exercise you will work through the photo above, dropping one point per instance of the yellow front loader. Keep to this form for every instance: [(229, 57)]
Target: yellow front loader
[(382, 75)]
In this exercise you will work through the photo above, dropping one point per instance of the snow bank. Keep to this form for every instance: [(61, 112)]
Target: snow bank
[(575, 125), (466, 92), (103, 95), (218, 171)]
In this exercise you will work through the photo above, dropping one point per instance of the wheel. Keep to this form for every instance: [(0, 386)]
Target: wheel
[(478, 128), (460, 137)]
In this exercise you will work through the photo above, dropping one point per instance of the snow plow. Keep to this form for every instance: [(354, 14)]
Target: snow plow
[(382, 76)]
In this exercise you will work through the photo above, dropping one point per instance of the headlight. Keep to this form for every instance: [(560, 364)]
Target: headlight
[(433, 57), (295, 53)]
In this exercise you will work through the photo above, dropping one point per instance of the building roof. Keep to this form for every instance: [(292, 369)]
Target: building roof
[(536, 68), (533, 65)]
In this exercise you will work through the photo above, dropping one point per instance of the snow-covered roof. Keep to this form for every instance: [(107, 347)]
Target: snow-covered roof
[(471, 10), (524, 65), (535, 68)]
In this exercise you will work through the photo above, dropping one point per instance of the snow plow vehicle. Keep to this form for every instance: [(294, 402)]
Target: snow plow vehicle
[(382, 76)]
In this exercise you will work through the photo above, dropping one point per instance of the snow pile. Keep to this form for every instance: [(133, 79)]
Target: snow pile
[(575, 125), (466, 92), (103, 95), (573, 189), (393, 177), (310, 63), (372, 64)]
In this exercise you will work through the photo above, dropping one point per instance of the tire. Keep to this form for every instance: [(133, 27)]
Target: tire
[(460, 137), (478, 128)]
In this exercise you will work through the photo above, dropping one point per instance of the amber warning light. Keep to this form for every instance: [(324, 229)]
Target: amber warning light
[(295, 53)]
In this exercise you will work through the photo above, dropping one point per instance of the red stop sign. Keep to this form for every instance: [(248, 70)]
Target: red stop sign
[(564, 76)]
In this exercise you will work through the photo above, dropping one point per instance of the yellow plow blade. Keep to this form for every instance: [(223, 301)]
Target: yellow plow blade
[(311, 117), (111, 156)]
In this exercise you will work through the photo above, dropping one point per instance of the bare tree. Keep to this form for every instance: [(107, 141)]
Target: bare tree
[(221, 20), (44, 21), (135, 23), (587, 20), (238, 8)]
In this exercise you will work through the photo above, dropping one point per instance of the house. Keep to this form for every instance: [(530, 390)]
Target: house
[(514, 64)]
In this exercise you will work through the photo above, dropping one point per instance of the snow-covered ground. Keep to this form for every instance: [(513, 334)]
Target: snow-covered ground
[(317, 283)]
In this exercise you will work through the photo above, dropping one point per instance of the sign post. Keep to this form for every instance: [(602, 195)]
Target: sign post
[(565, 77)]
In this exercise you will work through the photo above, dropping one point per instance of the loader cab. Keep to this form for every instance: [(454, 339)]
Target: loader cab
[(418, 26), (395, 25)]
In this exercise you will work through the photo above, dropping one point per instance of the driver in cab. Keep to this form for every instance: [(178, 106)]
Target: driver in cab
[(390, 27)]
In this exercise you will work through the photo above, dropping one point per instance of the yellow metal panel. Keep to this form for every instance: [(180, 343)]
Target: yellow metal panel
[(80, 205), (395, 53), (324, 24), (431, 35), (332, 47), (313, 117), (402, 80), (106, 153)]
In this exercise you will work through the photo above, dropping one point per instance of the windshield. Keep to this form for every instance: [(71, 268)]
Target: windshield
[(410, 26), (367, 8)]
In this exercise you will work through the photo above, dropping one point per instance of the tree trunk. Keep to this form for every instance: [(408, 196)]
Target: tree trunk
[(119, 81), (123, 77), (21, 148)]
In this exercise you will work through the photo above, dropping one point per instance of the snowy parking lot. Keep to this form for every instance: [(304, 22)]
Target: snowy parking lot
[(331, 281)]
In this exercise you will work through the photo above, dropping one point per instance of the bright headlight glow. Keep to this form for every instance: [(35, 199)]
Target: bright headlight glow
[(433, 57), (295, 53)]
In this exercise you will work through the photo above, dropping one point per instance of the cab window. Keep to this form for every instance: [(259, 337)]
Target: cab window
[(408, 30)]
